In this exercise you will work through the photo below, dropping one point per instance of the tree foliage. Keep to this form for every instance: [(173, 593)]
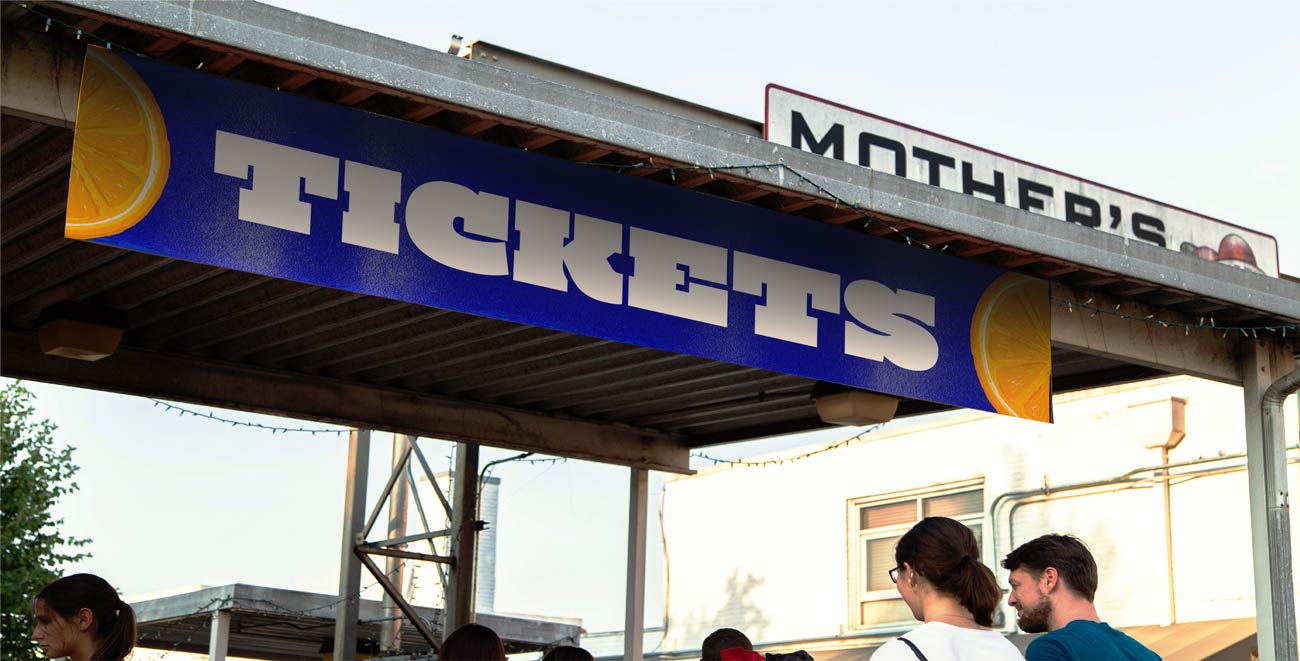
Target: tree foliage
[(34, 474)]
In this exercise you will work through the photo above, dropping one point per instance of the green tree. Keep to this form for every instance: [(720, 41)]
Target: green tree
[(34, 474)]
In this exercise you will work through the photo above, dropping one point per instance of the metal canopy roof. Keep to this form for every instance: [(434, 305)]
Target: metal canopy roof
[(232, 339), (270, 623)]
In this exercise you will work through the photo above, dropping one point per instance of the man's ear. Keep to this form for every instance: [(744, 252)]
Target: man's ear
[(84, 619), (1048, 580)]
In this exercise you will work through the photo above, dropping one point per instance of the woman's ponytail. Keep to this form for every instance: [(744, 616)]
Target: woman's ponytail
[(975, 586), (945, 552), (117, 633)]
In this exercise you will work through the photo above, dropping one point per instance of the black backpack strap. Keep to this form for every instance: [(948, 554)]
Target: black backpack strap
[(915, 650)]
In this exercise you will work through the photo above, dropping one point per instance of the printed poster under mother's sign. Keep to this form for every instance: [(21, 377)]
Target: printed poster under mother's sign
[(198, 167), (823, 127)]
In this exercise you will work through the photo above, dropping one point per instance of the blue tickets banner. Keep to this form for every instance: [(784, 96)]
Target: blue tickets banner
[(201, 168)]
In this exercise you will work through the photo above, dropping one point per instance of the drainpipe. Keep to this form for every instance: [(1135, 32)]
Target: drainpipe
[(1277, 517), (1177, 432)]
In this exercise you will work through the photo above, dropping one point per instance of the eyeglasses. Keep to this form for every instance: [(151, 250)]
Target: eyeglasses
[(893, 574)]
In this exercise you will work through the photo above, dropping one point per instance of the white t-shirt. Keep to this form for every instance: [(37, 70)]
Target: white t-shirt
[(944, 642)]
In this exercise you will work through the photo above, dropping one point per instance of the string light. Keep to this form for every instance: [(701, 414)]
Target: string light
[(1244, 331), (50, 20), (241, 423), (1094, 310), (852, 440), (780, 167), (540, 460), (523, 458)]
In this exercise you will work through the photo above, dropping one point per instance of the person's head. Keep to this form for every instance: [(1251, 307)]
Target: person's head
[(80, 616), (568, 653), (940, 554), (1047, 572), (723, 639), (472, 642)]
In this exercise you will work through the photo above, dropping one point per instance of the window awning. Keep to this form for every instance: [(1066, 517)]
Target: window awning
[(1215, 640)]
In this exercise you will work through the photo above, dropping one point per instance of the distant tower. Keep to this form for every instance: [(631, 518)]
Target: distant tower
[(429, 590), (485, 591)]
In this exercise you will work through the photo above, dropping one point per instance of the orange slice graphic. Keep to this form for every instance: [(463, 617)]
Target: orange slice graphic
[(1011, 342), (120, 153)]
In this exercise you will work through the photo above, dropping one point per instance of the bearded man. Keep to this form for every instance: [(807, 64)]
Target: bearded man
[(1053, 583)]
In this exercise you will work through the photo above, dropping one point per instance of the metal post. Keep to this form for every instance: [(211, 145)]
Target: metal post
[(348, 610), (459, 606), (363, 555), (634, 611), (219, 637), (1269, 507), (1286, 638), (390, 632)]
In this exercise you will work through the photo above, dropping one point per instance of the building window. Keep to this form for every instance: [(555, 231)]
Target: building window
[(876, 523)]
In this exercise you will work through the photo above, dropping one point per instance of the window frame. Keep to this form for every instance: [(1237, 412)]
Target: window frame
[(857, 537)]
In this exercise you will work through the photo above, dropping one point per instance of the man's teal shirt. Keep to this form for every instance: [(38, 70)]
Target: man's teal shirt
[(1082, 640)]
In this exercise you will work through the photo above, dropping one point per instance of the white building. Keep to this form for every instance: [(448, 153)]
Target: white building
[(796, 554)]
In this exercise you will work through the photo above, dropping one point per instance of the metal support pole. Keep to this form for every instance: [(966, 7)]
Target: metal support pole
[(348, 610), (375, 549), (419, 507), (389, 589), (634, 611), (219, 636), (459, 606), (1275, 618), (390, 632)]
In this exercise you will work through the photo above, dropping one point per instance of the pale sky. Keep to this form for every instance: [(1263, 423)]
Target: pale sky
[(1188, 103)]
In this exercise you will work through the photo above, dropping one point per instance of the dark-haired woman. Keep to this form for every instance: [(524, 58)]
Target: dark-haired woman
[(472, 642), (940, 577), (82, 618)]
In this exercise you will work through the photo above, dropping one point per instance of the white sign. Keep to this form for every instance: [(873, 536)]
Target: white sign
[(815, 125)]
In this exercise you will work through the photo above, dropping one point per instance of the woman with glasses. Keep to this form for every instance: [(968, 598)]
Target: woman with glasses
[(940, 577)]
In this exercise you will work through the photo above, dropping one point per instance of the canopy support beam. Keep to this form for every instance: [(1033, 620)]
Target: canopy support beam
[(1267, 371)]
